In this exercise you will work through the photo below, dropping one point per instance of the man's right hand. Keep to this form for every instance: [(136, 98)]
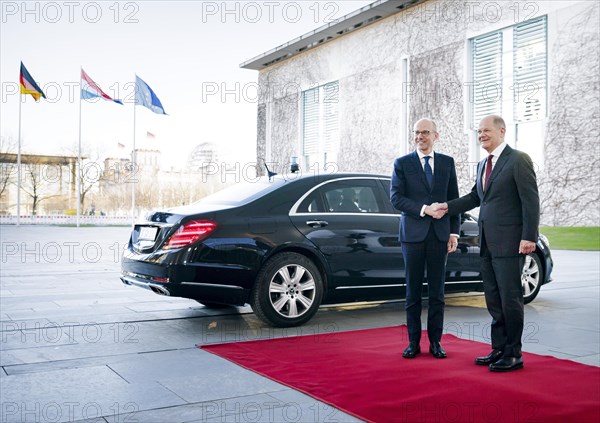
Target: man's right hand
[(436, 210)]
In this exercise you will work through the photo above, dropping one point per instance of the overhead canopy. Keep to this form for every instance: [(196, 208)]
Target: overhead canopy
[(358, 19)]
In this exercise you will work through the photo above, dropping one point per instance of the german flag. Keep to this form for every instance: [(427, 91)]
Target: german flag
[(28, 85)]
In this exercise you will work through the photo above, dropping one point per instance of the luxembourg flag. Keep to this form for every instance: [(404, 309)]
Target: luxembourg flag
[(89, 89)]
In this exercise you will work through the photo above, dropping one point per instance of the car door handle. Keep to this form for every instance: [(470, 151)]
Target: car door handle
[(316, 223)]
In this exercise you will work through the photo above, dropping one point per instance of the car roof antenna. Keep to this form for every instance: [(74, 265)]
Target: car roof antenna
[(269, 173)]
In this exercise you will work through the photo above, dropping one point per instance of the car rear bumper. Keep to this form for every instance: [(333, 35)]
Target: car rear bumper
[(203, 292), (143, 283)]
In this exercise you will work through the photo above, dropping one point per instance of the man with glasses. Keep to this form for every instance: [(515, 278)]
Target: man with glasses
[(427, 236)]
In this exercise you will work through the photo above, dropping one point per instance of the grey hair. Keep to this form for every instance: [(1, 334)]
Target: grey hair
[(498, 121)]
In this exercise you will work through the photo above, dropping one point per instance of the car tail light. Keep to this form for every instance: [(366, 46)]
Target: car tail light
[(157, 279), (190, 232)]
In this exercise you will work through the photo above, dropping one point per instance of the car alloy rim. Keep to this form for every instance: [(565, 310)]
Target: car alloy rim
[(292, 291), (530, 276)]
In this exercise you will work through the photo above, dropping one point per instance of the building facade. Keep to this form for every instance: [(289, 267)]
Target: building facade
[(48, 184), (345, 96), (155, 186)]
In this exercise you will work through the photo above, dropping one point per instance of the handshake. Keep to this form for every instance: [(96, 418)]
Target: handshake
[(436, 210)]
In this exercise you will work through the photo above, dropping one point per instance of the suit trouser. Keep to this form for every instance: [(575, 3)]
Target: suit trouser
[(430, 254), (504, 300)]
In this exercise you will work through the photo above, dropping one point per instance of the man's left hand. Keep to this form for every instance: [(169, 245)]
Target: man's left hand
[(452, 243), (526, 247)]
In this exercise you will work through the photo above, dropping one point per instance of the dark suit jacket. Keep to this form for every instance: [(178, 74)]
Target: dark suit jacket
[(510, 206), (410, 191)]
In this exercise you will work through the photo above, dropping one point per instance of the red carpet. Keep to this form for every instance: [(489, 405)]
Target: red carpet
[(362, 373)]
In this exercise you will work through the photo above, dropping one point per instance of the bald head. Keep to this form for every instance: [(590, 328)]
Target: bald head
[(429, 122)]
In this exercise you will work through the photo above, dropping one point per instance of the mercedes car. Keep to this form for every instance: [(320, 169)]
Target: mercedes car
[(285, 244)]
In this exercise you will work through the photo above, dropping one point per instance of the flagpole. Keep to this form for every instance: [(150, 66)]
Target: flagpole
[(27, 86), (19, 167), (133, 158), (78, 170)]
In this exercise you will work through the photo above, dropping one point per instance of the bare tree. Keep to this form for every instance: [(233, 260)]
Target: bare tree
[(8, 168), (89, 175), (117, 179), (570, 183), (146, 194), (36, 184), (91, 170)]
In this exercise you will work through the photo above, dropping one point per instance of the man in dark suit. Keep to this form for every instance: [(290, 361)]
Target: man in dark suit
[(419, 179), (507, 194)]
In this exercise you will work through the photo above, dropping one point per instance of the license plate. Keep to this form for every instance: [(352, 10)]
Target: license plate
[(148, 233)]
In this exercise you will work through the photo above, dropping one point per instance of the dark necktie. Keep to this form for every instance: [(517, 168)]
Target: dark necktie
[(428, 171), (488, 171)]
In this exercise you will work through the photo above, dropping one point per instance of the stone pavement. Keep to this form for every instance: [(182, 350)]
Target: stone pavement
[(78, 345)]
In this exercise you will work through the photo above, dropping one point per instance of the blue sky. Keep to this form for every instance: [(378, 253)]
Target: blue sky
[(181, 49)]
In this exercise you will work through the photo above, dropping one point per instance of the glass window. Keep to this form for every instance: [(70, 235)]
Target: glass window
[(487, 76), (509, 77), (353, 196), (312, 204), (530, 69), (320, 126)]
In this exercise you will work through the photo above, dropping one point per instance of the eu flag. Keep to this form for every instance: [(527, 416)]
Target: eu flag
[(144, 96)]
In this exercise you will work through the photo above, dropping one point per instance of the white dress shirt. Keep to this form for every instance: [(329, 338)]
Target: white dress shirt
[(422, 159)]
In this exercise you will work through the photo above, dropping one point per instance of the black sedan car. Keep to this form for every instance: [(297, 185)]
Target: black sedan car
[(288, 243)]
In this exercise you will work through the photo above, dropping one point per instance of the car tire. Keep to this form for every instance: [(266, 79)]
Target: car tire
[(532, 276), (288, 290)]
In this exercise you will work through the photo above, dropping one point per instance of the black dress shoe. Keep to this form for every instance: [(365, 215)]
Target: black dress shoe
[(412, 350), (492, 357), (507, 364), (436, 350)]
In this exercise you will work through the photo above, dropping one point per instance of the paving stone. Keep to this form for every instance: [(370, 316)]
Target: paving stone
[(77, 394), (202, 411), (163, 377)]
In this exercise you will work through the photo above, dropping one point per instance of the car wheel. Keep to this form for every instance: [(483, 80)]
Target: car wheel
[(531, 277), (288, 290)]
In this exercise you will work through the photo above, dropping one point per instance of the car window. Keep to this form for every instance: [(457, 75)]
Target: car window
[(352, 196), (366, 200), (244, 192), (386, 188), (312, 204)]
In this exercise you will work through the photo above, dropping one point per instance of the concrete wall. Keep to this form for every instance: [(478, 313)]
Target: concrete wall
[(378, 104)]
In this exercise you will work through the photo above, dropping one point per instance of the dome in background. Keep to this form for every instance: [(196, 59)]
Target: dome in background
[(201, 156)]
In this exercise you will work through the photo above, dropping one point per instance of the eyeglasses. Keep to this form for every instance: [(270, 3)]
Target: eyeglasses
[(424, 133)]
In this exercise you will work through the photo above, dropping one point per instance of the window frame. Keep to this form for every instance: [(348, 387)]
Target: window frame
[(524, 131), (318, 193), (320, 136)]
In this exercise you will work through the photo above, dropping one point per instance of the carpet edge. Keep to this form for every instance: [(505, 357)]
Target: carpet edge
[(362, 418)]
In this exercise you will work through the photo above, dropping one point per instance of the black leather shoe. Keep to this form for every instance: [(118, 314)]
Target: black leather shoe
[(412, 350), (492, 357), (436, 350), (507, 364)]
